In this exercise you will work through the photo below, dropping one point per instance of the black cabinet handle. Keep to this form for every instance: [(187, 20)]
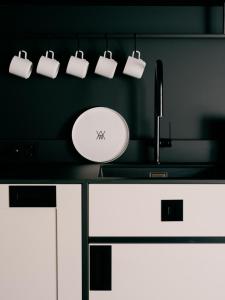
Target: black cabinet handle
[(172, 210), (100, 268), (32, 196)]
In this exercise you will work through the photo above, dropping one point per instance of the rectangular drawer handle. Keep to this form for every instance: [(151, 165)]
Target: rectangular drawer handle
[(32, 196), (100, 268)]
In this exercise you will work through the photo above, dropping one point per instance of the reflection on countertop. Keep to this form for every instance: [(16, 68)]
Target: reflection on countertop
[(111, 173), (49, 172)]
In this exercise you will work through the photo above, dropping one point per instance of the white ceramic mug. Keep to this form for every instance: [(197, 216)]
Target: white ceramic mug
[(77, 66), (21, 66), (106, 66), (48, 66), (134, 66)]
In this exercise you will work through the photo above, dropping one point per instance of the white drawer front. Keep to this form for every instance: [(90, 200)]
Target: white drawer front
[(165, 271), (135, 210)]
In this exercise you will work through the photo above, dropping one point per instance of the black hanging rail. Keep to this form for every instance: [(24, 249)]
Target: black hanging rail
[(119, 2), (73, 36), (224, 17), (116, 2)]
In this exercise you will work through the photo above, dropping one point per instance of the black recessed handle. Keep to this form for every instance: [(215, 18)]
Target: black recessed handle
[(172, 210), (32, 196), (100, 268)]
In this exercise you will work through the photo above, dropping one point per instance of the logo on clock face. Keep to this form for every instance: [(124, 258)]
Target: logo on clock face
[(100, 135)]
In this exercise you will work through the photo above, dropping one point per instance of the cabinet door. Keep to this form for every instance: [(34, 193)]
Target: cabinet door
[(69, 250), (28, 254), (40, 242), (157, 271)]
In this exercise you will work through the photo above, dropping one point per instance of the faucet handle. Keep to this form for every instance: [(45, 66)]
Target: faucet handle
[(167, 142)]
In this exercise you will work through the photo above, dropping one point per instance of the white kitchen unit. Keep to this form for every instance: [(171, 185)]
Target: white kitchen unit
[(40, 253), (162, 271), (156, 241), (117, 210)]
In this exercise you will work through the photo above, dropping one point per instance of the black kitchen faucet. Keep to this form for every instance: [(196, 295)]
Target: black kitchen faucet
[(158, 108)]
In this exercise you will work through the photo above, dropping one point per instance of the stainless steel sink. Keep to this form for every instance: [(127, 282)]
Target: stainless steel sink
[(161, 171)]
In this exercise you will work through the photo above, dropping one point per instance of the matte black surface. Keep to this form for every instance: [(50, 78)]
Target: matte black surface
[(100, 268), (32, 196), (72, 173), (58, 152), (158, 109), (193, 90), (161, 171), (119, 35), (85, 246), (193, 70), (158, 240), (171, 210), (116, 2), (40, 109)]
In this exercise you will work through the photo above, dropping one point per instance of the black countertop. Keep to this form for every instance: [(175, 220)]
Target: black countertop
[(49, 172), (69, 173)]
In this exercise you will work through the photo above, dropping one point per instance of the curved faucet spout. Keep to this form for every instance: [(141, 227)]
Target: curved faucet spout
[(158, 107)]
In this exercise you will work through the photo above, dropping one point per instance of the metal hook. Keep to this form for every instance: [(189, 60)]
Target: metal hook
[(106, 42), (135, 42), (78, 41)]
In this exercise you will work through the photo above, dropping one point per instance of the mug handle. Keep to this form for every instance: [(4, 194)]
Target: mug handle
[(110, 54), (52, 53), (138, 53), (24, 52), (81, 52)]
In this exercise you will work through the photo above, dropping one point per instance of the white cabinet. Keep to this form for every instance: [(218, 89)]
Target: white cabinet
[(162, 271), (163, 267), (28, 254), (69, 242), (136, 209), (40, 248)]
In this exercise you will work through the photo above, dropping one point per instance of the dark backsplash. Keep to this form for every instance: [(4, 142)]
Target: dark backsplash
[(45, 109)]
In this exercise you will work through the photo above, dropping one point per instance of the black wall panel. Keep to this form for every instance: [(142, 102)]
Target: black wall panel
[(64, 19), (194, 79)]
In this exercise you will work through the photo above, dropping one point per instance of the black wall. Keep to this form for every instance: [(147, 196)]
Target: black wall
[(194, 70)]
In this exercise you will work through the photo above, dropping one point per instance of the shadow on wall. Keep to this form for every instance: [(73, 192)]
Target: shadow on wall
[(215, 126), (139, 110)]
